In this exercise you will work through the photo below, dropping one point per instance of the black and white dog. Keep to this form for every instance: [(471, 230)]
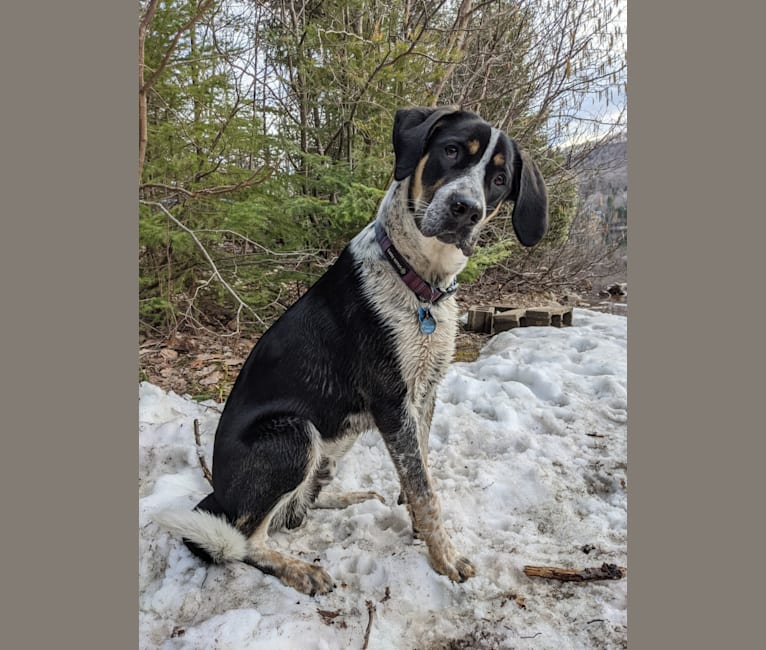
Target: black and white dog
[(365, 348)]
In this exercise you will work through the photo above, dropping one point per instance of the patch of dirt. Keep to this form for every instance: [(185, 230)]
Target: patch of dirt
[(203, 365)]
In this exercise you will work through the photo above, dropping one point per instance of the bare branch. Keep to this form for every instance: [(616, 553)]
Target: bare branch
[(370, 614), (604, 572), (212, 191), (146, 19), (201, 454)]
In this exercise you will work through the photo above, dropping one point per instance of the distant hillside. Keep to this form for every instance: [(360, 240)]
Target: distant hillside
[(603, 175)]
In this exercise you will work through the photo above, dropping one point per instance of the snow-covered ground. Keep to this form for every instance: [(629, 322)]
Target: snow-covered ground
[(529, 457)]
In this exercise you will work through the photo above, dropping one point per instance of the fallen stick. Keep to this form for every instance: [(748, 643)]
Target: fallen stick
[(604, 572), (201, 454), (370, 613)]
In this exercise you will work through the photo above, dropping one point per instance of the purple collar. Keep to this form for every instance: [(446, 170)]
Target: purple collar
[(424, 291)]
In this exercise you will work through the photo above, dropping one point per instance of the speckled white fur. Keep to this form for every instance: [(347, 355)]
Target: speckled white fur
[(423, 359)]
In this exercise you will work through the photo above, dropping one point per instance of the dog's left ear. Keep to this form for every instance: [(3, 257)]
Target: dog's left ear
[(530, 196), (412, 128)]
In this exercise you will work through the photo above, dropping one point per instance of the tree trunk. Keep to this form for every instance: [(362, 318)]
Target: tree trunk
[(143, 25)]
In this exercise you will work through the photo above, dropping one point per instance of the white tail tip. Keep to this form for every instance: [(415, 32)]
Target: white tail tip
[(214, 534)]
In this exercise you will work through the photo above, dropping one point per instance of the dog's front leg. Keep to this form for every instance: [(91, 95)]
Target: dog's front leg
[(423, 504)]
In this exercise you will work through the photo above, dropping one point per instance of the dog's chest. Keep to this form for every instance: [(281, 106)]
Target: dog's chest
[(424, 358)]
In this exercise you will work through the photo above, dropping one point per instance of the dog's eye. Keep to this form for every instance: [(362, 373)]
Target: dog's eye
[(499, 179), (451, 151)]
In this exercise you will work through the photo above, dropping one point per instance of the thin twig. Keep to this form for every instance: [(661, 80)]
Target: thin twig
[(201, 454), (370, 613), (212, 191), (305, 253)]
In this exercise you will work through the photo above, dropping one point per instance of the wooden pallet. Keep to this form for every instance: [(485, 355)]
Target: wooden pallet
[(499, 318)]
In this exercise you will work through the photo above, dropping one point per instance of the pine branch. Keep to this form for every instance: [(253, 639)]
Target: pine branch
[(216, 273), (169, 52)]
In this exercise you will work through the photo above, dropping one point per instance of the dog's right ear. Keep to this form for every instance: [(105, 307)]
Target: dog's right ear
[(412, 128), (530, 196)]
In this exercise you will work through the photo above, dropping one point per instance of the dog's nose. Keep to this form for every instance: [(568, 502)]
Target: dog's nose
[(465, 209)]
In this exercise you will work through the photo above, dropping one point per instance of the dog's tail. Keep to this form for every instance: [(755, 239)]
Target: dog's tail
[(207, 534)]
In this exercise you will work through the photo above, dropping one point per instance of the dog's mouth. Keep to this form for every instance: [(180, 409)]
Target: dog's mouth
[(448, 231), (464, 242)]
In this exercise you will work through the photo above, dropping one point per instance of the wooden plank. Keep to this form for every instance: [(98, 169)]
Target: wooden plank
[(502, 307), (539, 316), (480, 319), (506, 320), (500, 317)]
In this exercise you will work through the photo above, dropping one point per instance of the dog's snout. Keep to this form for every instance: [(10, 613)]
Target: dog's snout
[(465, 209)]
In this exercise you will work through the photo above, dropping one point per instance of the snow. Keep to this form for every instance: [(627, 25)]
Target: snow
[(528, 452)]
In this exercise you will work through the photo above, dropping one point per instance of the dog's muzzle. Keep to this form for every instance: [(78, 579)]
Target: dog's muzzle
[(465, 211), (454, 221)]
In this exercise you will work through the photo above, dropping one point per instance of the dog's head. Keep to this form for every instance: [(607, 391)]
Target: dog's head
[(461, 169)]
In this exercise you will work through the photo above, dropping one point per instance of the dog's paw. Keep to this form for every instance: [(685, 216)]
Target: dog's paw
[(309, 579), (465, 569), (457, 569)]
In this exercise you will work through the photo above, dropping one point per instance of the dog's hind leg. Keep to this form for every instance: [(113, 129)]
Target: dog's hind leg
[(305, 577), (325, 474), (270, 476), (273, 485), (337, 500)]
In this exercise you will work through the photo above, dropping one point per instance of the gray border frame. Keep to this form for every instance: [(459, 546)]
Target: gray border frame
[(70, 340), (694, 233)]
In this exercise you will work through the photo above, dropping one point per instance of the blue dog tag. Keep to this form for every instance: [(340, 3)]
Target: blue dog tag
[(427, 322)]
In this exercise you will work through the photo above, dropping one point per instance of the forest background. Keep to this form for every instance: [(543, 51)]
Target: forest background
[(265, 146)]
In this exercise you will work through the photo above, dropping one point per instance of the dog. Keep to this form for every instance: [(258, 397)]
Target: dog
[(364, 348)]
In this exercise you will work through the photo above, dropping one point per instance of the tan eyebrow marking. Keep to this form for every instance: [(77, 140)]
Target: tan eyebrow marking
[(499, 159), (417, 180), (473, 146)]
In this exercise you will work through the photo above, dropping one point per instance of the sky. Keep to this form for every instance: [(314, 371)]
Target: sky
[(528, 453), (597, 107)]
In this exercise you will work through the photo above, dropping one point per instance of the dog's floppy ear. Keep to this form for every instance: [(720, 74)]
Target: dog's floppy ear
[(530, 209), (412, 127)]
